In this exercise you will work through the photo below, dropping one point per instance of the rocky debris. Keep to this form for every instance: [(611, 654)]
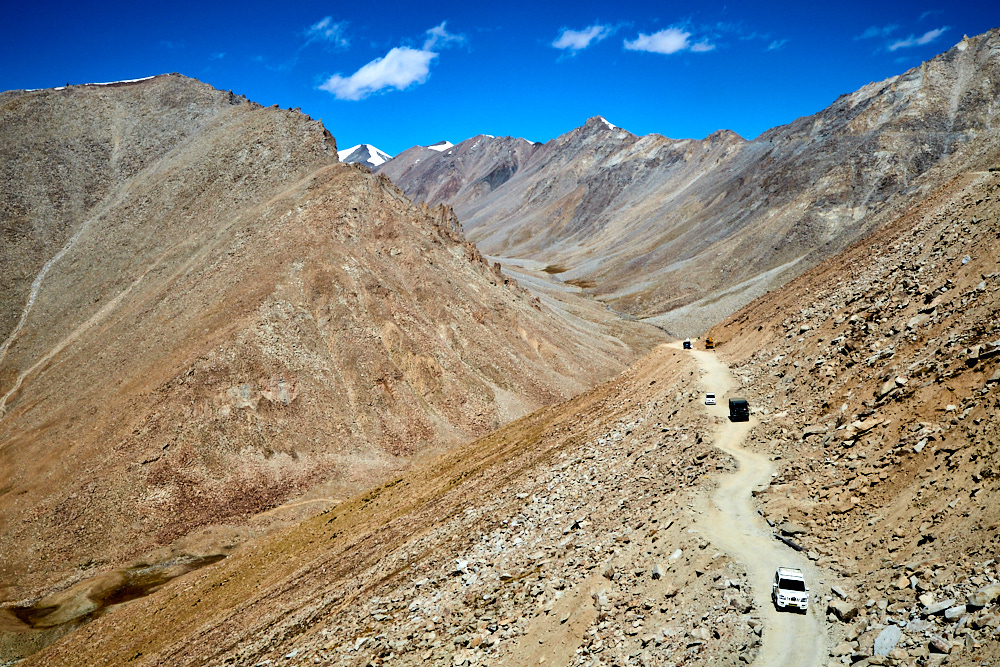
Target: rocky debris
[(892, 493)]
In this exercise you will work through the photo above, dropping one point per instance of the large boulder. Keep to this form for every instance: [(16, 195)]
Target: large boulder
[(843, 610)]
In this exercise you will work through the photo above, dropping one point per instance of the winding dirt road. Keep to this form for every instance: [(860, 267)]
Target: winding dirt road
[(731, 523)]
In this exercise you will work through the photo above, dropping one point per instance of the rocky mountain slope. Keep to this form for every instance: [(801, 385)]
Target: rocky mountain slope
[(210, 315), (581, 534), (651, 225)]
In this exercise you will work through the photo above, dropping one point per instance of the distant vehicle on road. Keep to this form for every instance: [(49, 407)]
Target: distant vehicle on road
[(709, 399), (687, 343), (739, 409), (789, 589)]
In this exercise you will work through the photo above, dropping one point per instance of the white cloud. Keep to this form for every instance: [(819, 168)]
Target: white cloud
[(925, 38), (776, 44), (577, 40), (876, 31), (667, 41), (670, 40), (402, 67), (398, 69), (326, 30), (438, 37)]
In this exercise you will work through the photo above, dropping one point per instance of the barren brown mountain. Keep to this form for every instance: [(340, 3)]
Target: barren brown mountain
[(210, 315), (685, 231)]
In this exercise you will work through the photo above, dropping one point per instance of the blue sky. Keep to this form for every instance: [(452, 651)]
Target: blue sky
[(399, 74)]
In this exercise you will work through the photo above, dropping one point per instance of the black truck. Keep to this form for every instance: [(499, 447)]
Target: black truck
[(739, 410)]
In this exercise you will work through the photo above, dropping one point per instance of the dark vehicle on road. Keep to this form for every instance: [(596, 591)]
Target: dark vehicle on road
[(687, 343), (739, 410)]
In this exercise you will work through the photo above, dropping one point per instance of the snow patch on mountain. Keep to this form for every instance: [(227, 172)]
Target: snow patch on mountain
[(441, 146)]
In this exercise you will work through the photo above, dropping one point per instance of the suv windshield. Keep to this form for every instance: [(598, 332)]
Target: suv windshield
[(791, 585)]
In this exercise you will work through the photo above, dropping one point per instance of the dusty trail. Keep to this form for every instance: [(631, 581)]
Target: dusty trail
[(730, 522)]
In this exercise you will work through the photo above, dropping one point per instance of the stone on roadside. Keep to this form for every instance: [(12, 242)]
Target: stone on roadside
[(790, 529), (985, 595), (658, 571), (844, 611), (887, 640), (841, 649), (813, 429), (938, 607), (955, 613), (939, 644)]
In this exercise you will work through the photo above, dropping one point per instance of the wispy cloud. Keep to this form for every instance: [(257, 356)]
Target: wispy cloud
[(399, 69), (776, 44), (930, 13), (438, 38), (577, 40), (925, 38), (217, 56), (667, 41), (877, 31), (329, 31)]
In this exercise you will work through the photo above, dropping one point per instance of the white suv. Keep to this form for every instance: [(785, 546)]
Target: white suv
[(789, 589), (709, 399)]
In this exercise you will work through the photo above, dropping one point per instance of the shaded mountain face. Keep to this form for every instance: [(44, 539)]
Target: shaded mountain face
[(209, 314), (684, 232)]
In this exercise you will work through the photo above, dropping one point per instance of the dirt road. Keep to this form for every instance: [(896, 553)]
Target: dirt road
[(731, 523)]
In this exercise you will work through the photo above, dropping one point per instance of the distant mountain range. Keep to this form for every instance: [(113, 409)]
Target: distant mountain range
[(683, 232), (373, 157)]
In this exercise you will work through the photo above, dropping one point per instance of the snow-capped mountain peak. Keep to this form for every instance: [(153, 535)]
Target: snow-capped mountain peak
[(365, 154)]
